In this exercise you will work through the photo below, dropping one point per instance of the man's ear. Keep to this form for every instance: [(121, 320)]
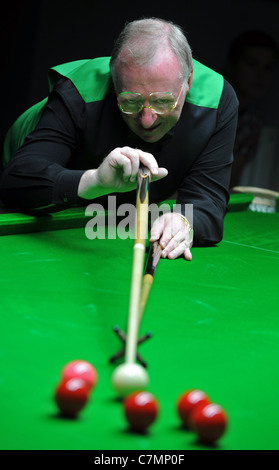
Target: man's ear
[(190, 80)]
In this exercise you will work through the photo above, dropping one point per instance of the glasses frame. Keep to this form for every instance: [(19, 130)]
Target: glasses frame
[(149, 107)]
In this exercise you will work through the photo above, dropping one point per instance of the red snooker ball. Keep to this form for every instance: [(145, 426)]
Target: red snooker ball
[(187, 402), (209, 422), (71, 395), (82, 369), (141, 409)]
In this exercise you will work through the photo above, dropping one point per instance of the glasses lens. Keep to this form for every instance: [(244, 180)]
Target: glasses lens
[(162, 102), (130, 102)]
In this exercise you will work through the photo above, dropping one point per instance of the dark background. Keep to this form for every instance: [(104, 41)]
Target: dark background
[(39, 34)]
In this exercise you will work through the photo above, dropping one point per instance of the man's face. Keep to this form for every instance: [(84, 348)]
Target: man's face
[(163, 75), (254, 71)]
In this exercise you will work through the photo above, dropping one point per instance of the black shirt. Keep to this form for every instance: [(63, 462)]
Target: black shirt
[(72, 136)]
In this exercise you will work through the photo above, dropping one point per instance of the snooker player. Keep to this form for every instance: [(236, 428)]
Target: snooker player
[(151, 102)]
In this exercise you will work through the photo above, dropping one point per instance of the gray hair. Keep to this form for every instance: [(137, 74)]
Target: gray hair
[(142, 38)]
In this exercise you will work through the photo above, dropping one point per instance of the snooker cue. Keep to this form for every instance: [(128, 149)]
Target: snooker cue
[(263, 197), (255, 191), (153, 259), (141, 227)]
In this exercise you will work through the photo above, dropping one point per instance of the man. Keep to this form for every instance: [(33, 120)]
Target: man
[(251, 67), (177, 119)]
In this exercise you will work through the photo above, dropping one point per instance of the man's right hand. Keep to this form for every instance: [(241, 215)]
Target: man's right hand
[(118, 173)]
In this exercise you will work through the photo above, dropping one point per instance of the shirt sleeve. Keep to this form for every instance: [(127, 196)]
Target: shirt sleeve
[(206, 185), (37, 176)]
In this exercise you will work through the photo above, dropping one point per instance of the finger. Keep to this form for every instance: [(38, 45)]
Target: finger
[(127, 169), (174, 242), (133, 156), (121, 162), (170, 231), (188, 254), (164, 228), (148, 160), (162, 172), (179, 250)]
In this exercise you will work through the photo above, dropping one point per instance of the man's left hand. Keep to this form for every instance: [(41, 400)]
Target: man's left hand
[(173, 235)]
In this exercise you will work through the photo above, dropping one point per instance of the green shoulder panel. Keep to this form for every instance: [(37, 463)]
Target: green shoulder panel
[(91, 77), (207, 87)]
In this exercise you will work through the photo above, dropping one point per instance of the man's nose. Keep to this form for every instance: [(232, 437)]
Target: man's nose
[(147, 117)]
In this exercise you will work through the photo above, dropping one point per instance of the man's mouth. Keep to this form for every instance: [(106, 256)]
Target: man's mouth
[(150, 130)]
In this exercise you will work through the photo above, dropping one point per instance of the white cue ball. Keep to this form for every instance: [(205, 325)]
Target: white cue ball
[(128, 378)]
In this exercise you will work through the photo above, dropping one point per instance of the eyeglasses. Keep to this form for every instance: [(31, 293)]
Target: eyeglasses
[(160, 102)]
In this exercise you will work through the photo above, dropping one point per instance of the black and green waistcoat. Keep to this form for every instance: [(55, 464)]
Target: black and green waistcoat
[(93, 81)]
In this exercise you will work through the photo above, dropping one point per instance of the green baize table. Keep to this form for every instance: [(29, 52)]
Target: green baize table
[(214, 320)]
